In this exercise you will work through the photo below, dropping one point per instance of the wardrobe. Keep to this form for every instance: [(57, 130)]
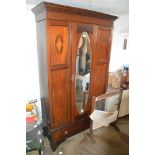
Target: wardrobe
[(73, 47)]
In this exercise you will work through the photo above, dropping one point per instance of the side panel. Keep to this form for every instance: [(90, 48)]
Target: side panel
[(102, 56), (43, 71), (59, 73)]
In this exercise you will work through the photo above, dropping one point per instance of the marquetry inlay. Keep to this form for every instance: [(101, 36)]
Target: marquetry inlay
[(59, 44)]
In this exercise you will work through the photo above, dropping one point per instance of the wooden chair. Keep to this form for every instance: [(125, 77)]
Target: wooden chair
[(109, 96)]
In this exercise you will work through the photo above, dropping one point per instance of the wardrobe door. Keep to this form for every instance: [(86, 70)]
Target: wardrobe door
[(59, 53), (82, 55), (102, 55)]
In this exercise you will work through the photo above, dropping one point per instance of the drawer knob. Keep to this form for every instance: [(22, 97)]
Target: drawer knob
[(66, 132)]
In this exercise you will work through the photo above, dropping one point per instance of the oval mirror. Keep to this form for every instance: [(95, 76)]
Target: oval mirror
[(82, 78)]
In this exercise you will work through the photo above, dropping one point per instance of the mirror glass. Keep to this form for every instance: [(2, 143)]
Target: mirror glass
[(110, 104), (82, 77)]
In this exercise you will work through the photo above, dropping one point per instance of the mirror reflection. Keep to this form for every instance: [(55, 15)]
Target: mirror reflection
[(83, 63)]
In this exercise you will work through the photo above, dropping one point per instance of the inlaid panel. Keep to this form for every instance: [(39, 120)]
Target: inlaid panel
[(60, 93), (103, 44), (58, 44)]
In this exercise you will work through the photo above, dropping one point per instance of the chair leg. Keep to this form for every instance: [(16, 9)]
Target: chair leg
[(90, 134)]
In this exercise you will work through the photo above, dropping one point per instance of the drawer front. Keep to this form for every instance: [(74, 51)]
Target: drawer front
[(71, 130)]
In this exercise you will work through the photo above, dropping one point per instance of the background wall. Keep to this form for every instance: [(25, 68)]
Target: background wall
[(32, 88), (119, 56)]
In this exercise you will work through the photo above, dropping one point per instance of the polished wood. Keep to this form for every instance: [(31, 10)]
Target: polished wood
[(43, 71), (57, 67), (71, 10), (103, 44), (82, 28), (60, 89), (60, 72), (58, 44), (102, 61), (70, 131), (102, 58), (58, 32)]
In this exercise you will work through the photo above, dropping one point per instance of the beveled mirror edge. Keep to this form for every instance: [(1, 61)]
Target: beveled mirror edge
[(90, 52)]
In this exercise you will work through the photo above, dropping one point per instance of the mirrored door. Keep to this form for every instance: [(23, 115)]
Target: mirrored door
[(81, 68), (83, 71)]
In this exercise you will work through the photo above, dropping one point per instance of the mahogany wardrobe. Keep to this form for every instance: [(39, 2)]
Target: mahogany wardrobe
[(73, 47)]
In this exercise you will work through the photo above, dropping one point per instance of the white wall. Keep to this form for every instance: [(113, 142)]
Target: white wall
[(119, 56), (121, 25), (32, 90)]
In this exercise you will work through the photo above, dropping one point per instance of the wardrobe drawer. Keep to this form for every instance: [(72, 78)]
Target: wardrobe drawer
[(71, 130)]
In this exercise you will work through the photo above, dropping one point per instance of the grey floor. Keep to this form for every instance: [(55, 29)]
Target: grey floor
[(108, 141)]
